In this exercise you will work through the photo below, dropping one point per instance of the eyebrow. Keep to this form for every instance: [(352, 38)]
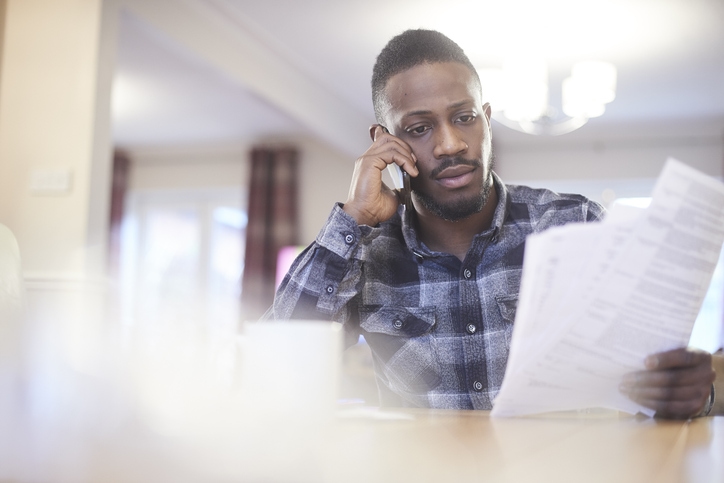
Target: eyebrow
[(455, 105)]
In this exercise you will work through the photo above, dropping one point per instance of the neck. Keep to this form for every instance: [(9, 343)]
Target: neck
[(455, 237)]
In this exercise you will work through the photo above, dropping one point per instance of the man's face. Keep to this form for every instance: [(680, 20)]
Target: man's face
[(437, 109)]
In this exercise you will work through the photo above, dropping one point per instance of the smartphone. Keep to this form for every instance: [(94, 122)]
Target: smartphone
[(401, 180)]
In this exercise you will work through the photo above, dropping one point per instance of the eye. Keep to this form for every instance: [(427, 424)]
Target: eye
[(467, 118), (418, 130)]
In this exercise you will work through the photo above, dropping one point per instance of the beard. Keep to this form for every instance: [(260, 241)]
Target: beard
[(461, 208)]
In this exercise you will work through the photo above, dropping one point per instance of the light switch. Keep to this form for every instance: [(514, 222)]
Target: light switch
[(51, 181)]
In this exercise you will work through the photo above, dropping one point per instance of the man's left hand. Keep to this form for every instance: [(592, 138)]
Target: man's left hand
[(676, 383)]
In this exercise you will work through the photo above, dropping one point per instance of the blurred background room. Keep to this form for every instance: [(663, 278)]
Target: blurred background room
[(156, 155)]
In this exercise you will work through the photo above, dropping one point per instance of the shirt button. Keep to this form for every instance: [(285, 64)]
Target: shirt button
[(467, 273), (330, 289), (397, 324), (470, 328), (349, 239), (478, 386)]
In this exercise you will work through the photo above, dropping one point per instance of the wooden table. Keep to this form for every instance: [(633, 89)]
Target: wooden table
[(379, 446), (467, 446)]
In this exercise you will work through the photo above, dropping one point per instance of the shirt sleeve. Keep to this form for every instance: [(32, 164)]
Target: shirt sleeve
[(324, 280)]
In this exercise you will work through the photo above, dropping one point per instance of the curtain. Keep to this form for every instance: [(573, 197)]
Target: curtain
[(273, 223), (119, 187)]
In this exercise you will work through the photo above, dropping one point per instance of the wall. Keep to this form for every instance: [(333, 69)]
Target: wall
[(188, 167), (52, 133), (623, 160), (324, 174), (626, 162)]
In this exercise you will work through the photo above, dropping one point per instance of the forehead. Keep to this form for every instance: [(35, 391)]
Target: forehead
[(430, 87)]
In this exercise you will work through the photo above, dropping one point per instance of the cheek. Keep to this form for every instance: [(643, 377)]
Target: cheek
[(423, 177), (417, 183), (418, 147)]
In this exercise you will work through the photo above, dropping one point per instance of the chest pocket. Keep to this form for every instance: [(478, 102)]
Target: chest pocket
[(402, 340), (507, 304)]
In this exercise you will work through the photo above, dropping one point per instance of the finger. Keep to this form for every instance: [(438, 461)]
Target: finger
[(387, 140), (683, 357), (407, 163), (404, 158), (701, 375), (697, 393), (673, 409), (394, 153)]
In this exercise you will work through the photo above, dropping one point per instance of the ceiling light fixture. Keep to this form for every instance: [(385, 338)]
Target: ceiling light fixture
[(518, 94)]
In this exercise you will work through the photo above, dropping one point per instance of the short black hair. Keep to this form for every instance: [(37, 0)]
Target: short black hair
[(409, 49)]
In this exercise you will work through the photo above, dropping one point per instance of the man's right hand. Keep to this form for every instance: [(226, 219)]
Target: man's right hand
[(369, 201)]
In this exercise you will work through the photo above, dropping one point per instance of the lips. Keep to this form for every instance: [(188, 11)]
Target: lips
[(455, 176)]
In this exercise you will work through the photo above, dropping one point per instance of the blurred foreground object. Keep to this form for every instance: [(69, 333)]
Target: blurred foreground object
[(171, 395), (597, 299), (11, 316), (11, 295)]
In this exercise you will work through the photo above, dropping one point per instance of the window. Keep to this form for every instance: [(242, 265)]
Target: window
[(182, 254)]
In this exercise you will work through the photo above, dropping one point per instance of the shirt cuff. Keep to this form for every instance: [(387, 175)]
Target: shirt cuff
[(340, 234)]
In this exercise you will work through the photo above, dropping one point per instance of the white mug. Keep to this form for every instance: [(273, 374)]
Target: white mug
[(290, 367)]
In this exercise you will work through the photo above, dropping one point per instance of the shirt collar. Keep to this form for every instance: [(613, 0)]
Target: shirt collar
[(501, 209)]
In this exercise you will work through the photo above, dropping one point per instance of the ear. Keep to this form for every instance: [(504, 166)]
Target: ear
[(374, 132), (488, 113), (487, 110)]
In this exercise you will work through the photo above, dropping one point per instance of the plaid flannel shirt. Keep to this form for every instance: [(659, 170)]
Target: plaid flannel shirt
[(439, 329)]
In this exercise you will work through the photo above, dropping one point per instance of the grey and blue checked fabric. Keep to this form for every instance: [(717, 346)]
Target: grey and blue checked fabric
[(439, 329)]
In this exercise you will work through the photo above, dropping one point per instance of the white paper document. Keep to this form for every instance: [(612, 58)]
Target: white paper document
[(596, 299)]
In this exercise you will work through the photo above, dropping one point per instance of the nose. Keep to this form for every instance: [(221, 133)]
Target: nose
[(448, 142)]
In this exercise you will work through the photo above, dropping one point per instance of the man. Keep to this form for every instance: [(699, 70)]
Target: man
[(434, 289)]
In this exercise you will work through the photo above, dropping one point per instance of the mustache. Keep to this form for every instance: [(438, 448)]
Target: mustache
[(454, 161)]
